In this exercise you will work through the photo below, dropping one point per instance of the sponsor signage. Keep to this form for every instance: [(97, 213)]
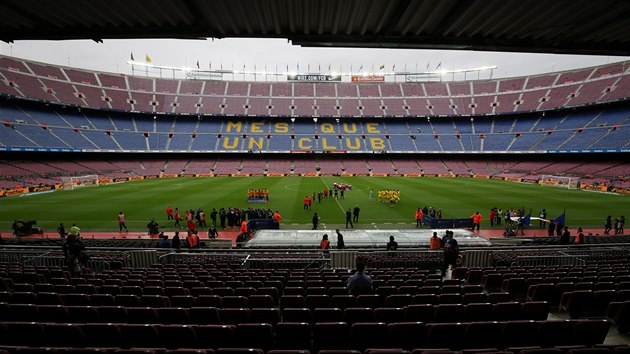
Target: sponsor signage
[(318, 78), (368, 78), (204, 75), (415, 78)]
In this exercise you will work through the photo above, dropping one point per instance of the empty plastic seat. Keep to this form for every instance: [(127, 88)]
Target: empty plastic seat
[(389, 314), (64, 335), (534, 310), (182, 301), (519, 334), (265, 315), (209, 301), (327, 314), (302, 314), (142, 315), (448, 313), (101, 334), (482, 335), (419, 313), (331, 335), (255, 335), (343, 301), (112, 314), (440, 335), (177, 336), (398, 300), (358, 314), (234, 301), (23, 312), (204, 315), (52, 313), (369, 300), (478, 312), (368, 335), (173, 315), (260, 301), (75, 299), (127, 300), (293, 335), (139, 335), (102, 300), (313, 301), (406, 335), (590, 332), (505, 311), (234, 316), (293, 301), (83, 314)]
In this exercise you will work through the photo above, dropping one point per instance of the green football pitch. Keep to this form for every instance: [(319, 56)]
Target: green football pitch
[(96, 208)]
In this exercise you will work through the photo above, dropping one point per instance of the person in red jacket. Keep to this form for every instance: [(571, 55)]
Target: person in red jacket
[(492, 216), (419, 217), (476, 221), (169, 213)]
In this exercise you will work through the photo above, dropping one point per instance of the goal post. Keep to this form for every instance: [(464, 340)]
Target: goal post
[(560, 181), (79, 181)]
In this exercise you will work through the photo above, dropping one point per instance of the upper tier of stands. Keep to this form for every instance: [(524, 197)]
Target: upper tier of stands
[(63, 85)]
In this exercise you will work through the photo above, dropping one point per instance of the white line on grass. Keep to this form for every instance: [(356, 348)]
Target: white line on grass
[(336, 200)]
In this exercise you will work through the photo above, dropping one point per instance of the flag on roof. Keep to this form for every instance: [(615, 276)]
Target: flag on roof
[(381, 67), (132, 59), (147, 58), (197, 64), (438, 66)]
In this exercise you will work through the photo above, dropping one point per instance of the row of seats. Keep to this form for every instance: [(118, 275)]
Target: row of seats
[(256, 300), (552, 293), (573, 349), (295, 335), (210, 315), (588, 303)]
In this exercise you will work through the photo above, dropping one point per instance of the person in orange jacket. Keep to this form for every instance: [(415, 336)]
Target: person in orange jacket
[(436, 242), (419, 217), (276, 217), (244, 227), (476, 221)]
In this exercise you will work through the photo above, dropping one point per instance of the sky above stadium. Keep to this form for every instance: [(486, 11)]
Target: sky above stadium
[(112, 56)]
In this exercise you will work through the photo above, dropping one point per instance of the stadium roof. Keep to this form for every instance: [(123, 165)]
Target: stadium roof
[(551, 26)]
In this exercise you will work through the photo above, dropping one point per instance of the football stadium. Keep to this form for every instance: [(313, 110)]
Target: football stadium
[(380, 209)]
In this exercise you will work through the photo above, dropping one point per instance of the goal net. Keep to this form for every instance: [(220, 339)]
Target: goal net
[(558, 181), (79, 181)]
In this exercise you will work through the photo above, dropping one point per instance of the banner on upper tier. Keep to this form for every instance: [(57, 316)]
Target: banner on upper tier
[(368, 78), (315, 78)]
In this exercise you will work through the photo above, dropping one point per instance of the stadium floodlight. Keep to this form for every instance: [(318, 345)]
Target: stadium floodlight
[(315, 119), (292, 120)]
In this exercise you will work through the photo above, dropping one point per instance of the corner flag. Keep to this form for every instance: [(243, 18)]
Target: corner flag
[(147, 58)]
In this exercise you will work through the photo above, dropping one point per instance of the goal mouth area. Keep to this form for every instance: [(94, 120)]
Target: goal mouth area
[(559, 181), (70, 183)]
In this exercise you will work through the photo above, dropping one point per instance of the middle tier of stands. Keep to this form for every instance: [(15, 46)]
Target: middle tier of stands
[(33, 126)]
